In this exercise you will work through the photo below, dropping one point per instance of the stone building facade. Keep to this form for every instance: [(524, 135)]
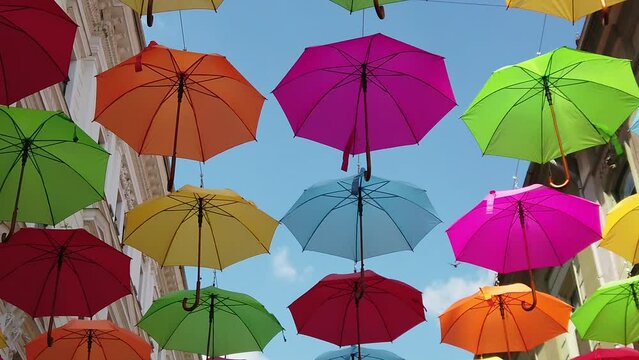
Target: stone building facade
[(602, 174), (108, 33)]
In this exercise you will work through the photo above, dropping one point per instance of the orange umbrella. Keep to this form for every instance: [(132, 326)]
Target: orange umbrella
[(177, 103), (89, 339), (494, 320)]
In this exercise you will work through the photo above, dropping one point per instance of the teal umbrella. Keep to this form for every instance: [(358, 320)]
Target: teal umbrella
[(350, 353), (223, 323), (611, 313), (49, 167), (635, 125)]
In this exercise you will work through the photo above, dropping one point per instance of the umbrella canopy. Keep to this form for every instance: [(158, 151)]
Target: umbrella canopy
[(350, 353), (621, 234), (567, 9), (634, 127), (555, 102), (199, 227), (49, 167), (187, 105), (149, 7), (524, 229), (37, 40), (611, 313), (90, 339), (3, 341), (224, 323), (611, 354), (61, 273), (354, 309), (355, 5), (494, 320), (326, 218), (365, 94)]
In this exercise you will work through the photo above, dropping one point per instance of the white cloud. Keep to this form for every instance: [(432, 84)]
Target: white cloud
[(440, 295), (255, 355), (283, 268)]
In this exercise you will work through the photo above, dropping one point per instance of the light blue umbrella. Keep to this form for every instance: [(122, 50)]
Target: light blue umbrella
[(330, 217), (635, 125), (350, 353)]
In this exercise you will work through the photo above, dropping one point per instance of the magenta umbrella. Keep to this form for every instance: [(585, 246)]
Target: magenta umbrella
[(611, 354), (365, 94), (524, 229)]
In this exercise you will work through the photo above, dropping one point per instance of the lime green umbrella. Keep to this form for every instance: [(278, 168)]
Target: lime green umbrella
[(611, 313), (223, 323), (49, 167), (555, 104), (356, 5)]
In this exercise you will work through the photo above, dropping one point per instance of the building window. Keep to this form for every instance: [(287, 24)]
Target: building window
[(625, 185)]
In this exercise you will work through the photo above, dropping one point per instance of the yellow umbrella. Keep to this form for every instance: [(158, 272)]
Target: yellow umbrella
[(621, 233), (3, 341), (149, 7), (570, 10), (199, 227)]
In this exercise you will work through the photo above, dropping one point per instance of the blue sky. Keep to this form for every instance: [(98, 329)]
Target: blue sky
[(263, 39)]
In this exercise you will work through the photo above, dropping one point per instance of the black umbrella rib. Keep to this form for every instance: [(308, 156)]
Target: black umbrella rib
[(594, 127), (189, 214), (217, 250)]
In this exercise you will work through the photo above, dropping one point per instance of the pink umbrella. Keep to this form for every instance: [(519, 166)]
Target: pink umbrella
[(611, 354), (365, 94), (524, 229)]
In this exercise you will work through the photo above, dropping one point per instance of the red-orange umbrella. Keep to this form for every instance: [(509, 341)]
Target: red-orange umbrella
[(89, 339), (177, 103)]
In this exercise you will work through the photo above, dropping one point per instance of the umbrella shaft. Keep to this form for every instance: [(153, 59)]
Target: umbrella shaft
[(180, 93), (210, 342), (360, 212), (14, 216)]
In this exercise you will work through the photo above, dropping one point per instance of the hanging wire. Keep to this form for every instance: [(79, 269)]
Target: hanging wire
[(541, 38), (464, 3), (182, 29), (201, 176), (516, 175), (363, 20)]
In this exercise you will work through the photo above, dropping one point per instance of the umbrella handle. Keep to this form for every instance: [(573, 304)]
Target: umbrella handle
[(561, 149), (564, 162), (185, 301), (379, 9), (149, 13), (49, 332), (532, 306)]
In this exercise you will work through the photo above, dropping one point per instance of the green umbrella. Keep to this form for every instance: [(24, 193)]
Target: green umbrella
[(49, 167), (223, 323), (356, 5), (611, 313), (555, 104)]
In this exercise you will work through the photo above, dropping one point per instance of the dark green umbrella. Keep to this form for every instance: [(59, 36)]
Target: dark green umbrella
[(356, 5), (223, 323), (49, 167)]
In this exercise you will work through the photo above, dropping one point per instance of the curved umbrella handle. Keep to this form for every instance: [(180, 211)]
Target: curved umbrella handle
[(566, 174), (379, 9), (532, 306), (49, 332), (185, 301), (149, 13)]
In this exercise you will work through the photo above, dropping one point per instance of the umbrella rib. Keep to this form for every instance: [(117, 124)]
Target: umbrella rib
[(10, 24), (172, 90), (510, 229), (189, 214), (118, 98), (310, 238), (473, 307), (400, 73), (227, 105), (531, 216), (189, 98), (489, 311), (508, 87), (217, 251), (562, 95), (568, 214), (346, 308), (37, 305), (248, 328), (106, 270), (4, 78), (46, 192), (338, 84), (77, 275), (6, 177), (410, 246), (245, 227), (175, 207), (186, 315), (408, 200), (328, 68), (381, 86), (379, 312)]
